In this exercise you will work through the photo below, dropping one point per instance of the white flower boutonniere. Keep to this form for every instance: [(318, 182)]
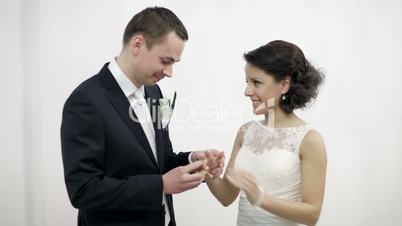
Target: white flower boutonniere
[(166, 110)]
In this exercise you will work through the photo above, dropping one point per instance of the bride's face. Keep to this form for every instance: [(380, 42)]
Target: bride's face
[(261, 86)]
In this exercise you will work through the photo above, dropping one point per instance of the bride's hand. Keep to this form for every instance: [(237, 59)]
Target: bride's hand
[(246, 182), (215, 161)]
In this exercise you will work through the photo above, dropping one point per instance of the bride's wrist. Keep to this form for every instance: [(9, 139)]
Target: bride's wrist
[(209, 178), (260, 198)]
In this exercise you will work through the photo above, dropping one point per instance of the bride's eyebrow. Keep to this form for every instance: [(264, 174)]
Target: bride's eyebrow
[(253, 78)]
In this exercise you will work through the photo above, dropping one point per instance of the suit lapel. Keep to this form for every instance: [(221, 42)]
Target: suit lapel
[(120, 102), (153, 103)]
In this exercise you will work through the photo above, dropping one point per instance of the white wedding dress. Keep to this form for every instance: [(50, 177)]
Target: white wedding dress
[(272, 155)]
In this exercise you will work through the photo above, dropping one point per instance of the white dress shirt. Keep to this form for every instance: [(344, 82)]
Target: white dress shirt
[(135, 96)]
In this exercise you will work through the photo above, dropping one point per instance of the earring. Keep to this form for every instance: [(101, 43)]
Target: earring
[(283, 96)]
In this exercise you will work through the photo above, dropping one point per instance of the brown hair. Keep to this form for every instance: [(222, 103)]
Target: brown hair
[(154, 23), (282, 60)]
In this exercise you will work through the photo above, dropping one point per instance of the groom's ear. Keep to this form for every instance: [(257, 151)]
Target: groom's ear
[(137, 42)]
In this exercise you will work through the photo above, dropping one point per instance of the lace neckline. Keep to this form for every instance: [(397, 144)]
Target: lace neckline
[(260, 138), (260, 124)]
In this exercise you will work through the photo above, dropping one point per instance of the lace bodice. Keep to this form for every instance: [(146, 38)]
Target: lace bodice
[(272, 155)]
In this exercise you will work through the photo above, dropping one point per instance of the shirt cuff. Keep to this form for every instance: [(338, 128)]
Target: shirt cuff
[(189, 157)]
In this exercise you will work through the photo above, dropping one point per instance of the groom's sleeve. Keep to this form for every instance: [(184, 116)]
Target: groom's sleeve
[(83, 152), (179, 159)]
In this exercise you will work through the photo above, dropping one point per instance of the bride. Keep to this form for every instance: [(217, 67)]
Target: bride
[(277, 164)]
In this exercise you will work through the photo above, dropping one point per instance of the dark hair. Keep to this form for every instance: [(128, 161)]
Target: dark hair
[(154, 23), (285, 60)]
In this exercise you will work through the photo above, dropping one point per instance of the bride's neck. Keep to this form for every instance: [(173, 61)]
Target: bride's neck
[(278, 118)]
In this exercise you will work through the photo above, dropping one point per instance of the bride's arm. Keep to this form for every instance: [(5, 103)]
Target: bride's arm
[(313, 168), (224, 191)]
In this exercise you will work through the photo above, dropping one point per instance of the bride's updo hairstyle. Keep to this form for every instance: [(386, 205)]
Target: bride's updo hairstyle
[(285, 60)]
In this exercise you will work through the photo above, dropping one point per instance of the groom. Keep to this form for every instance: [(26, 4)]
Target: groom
[(121, 170)]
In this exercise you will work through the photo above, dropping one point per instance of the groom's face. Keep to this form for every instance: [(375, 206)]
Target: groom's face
[(157, 62)]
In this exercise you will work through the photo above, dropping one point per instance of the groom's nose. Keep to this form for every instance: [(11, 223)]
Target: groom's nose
[(168, 71)]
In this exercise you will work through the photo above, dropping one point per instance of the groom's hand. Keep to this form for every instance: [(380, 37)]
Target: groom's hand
[(215, 161), (183, 178)]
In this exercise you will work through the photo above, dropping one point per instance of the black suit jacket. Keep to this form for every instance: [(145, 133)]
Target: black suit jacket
[(111, 174)]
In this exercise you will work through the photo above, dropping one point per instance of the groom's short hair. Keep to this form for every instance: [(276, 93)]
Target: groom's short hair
[(154, 23)]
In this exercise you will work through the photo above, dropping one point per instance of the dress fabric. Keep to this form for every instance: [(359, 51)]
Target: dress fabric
[(272, 156)]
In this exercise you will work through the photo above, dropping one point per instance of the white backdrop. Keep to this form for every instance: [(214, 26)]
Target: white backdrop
[(51, 46)]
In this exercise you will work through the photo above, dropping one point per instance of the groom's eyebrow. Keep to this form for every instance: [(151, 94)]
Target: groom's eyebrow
[(170, 59)]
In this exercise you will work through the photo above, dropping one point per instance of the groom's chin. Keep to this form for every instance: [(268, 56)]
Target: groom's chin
[(151, 83)]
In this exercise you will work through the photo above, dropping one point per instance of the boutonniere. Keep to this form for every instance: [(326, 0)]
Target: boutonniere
[(166, 108)]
